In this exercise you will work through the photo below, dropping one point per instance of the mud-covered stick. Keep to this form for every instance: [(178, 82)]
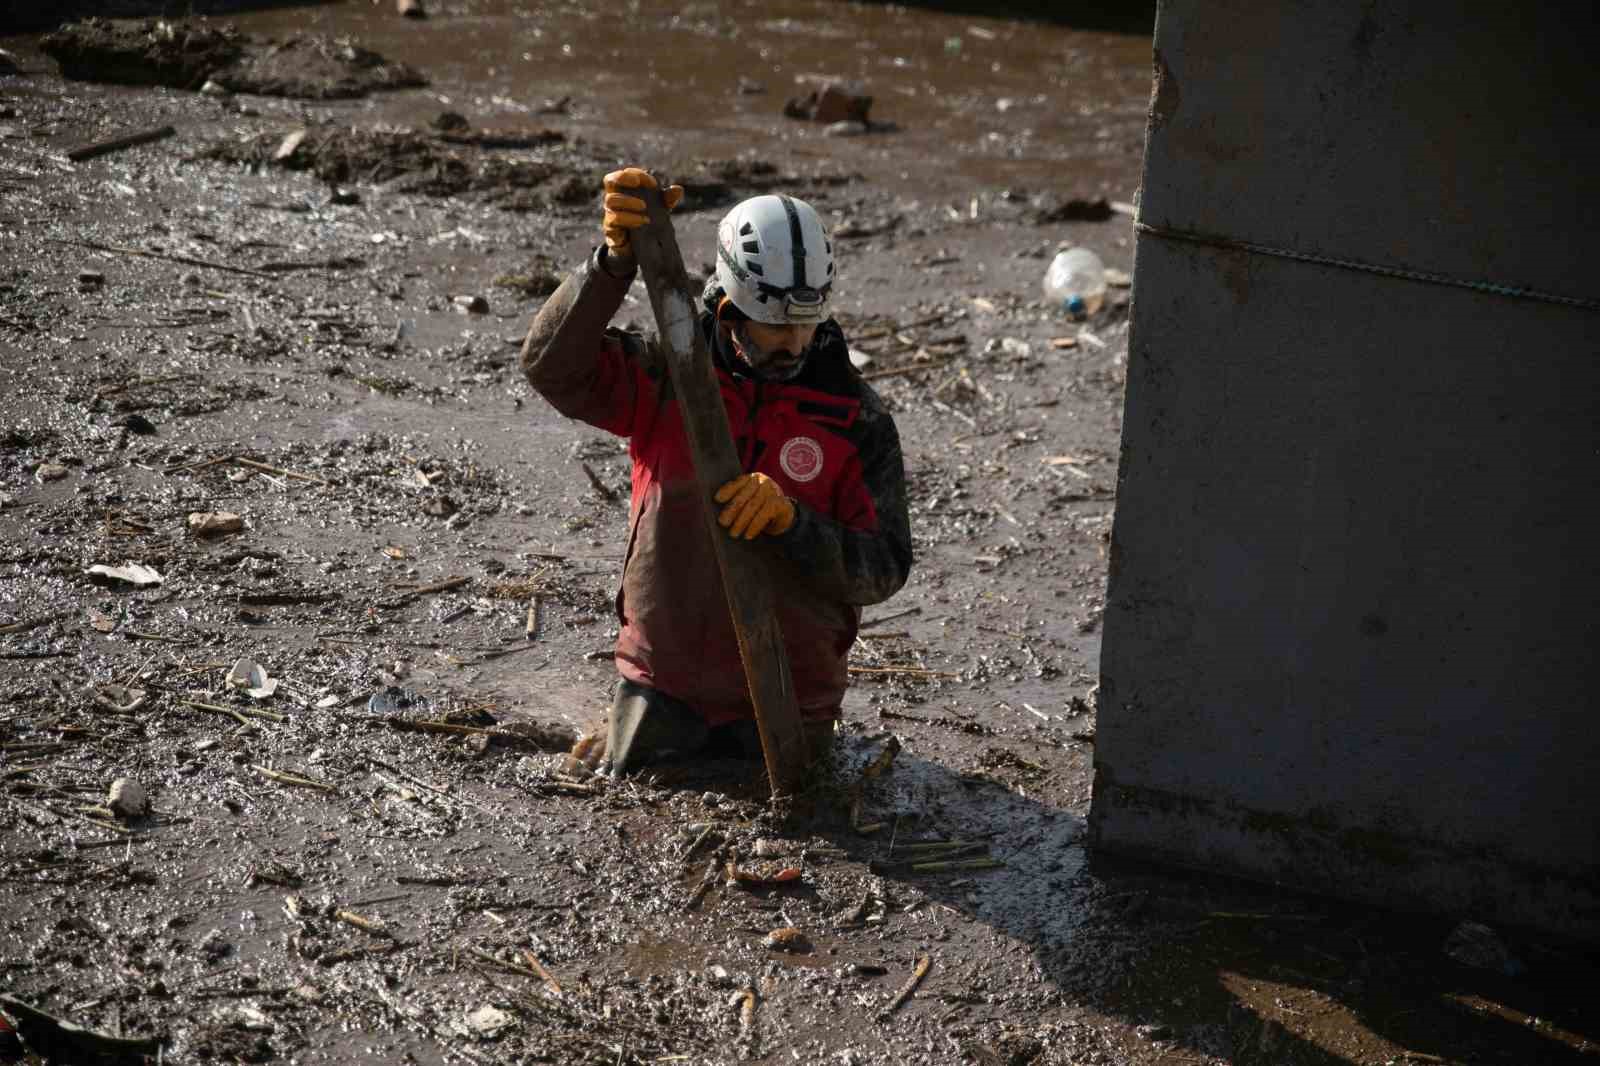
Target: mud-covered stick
[(900, 997), (744, 565), (117, 144)]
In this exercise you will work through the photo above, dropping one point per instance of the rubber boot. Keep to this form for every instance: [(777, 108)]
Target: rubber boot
[(819, 740), (646, 726)]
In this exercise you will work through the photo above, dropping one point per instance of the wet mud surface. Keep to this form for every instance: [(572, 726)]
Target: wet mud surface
[(307, 314)]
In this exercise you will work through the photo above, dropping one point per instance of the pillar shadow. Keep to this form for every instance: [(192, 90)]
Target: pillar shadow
[(1253, 974)]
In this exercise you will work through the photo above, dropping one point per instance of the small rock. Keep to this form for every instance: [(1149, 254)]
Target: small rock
[(214, 523), (1118, 279), (846, 128), (712, 799), (450, 122), (90, 279), (832, 102), (477, 744), (1475, 944), (718, 977), (769, 849), (751, 87), (134, 574), (470, 305), (344, 197), (289, 144), (307, 992), (1155, 1032), (787, 939), (127, 798), (213, 946), (191, 280), (8, 64), (212, 87), (49, 472), (487, 1022), (411, 9), (137, 423), (120, 698), (860, 360), (1014, 346), (440, 507)]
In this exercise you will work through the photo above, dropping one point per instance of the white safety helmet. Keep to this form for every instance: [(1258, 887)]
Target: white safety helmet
[(775, 260)]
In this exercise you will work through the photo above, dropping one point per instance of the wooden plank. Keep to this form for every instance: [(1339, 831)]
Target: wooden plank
[(744, 564)]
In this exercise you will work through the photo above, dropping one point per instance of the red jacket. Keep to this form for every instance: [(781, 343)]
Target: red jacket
[(825, 437)]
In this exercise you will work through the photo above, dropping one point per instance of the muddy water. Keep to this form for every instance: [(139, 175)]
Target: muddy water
[(978, 101)]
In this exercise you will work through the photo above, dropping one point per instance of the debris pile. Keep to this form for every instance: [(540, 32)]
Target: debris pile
[(188, 55)]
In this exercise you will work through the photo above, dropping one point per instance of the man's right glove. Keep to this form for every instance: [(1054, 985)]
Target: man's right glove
[(625, 212)]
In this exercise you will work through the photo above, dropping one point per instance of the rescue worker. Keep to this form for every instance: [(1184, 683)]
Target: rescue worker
[(824, 487)]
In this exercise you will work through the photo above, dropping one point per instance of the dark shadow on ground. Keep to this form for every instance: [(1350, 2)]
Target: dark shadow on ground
[(1132, 16), (1244, 972), (31, 16)]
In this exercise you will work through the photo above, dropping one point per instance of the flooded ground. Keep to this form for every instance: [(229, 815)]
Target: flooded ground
[(319, 334)]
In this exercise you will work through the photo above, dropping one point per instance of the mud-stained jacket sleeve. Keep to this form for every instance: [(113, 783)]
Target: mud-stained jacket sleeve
[(585, 370), (855, 565)]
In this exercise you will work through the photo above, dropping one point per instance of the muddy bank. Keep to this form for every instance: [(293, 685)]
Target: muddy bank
[(190, 55), (370, 848), (515, 168)]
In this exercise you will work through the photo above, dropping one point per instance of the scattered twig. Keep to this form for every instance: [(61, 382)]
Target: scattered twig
[(242, 713), (117, 144), (599, 486), (909, 368), (538, 967), (292, 779), (908, 671), (264, 468), (34, 623), (705, 834), (870, 623), (923, 965), (186, 260), (710, 878), (366, 925)]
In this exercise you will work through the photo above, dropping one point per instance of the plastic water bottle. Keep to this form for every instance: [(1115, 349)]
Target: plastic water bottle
[(1076, 282)]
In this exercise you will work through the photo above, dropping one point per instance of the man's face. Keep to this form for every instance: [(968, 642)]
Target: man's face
[(775, 352)]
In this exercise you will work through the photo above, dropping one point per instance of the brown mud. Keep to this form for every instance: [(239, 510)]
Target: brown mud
[(384, 856), (191, 56)]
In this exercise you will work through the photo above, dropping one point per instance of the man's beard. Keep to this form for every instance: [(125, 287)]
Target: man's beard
[(778, 364)]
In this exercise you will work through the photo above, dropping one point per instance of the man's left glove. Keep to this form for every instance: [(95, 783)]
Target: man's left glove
[(755, 505)]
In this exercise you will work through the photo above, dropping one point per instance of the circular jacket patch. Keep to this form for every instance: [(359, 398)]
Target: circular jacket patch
[(801, 458)]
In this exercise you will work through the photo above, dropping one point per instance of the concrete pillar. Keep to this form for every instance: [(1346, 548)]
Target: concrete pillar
[(1350, 640)]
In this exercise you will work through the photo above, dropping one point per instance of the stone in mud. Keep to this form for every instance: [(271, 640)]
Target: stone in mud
[(829, 103), (8, 64), (49, 472), (487, 1022), (846, 128), (787, 939), (127, 798), (214, 523)]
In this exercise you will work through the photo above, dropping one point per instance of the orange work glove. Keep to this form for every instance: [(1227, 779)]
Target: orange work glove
[(756, 505), (625, 212)]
